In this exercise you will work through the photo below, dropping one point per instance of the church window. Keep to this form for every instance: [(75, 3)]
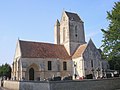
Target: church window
[(63, 34), (31, 74), (76, 35), (91, 63), (63, 18), (49, 65), (76, 31), (64, 65)]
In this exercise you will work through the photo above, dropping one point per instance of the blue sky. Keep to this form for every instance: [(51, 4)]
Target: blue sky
[(34, 20)]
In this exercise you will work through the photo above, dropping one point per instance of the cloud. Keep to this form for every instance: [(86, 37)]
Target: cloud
[(92, 34)]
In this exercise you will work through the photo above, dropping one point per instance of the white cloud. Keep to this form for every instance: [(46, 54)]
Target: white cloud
[(92, 34)]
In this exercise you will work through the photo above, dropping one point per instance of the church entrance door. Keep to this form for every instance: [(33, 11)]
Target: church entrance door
[(31, 74)]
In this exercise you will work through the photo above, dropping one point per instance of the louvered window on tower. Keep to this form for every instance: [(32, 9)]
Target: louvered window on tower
[(76, 31), (91, 63)]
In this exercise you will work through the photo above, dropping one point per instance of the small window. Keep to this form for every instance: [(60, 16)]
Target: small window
[(63, 18), (91, 63), (64, 65), (49, 65), (63, 34), (75, 29), (76, 35)]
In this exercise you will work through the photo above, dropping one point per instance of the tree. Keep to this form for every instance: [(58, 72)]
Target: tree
[(5, 70), (111, 37)]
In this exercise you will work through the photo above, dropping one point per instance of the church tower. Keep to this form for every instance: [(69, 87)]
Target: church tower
[(71, 31)]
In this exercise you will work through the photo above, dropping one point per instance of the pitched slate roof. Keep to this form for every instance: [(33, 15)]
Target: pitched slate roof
[(42, 50), (73, 16), (79, 51)]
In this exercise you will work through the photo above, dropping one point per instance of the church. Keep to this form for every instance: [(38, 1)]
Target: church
[(70, 55)]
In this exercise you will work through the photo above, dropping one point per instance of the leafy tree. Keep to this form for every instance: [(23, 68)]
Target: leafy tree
[(111, 37), (5, 70)]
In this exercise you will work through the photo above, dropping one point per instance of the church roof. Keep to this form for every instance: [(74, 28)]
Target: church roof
[(79, 51), (73, 16), (42, 50)]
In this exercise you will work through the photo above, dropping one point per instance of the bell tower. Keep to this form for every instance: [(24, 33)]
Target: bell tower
[(71, 31)]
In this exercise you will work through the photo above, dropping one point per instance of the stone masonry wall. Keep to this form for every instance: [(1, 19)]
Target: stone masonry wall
[(103, 84), (34, 85), (106, 84), (12, 85)]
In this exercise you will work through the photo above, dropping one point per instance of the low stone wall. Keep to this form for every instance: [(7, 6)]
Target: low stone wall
[(103, 84), (13, 85), (27, 85)]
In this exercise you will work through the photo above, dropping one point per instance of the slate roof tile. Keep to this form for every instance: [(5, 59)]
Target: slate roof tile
[(73, 16)]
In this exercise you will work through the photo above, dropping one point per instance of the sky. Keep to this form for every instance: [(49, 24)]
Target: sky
[(34, 20)]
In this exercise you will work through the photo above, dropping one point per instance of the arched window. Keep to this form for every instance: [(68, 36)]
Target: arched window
[(63, 34), (63, 18), (31, 74)]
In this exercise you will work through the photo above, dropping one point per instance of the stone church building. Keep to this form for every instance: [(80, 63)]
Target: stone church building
[(70, 55)]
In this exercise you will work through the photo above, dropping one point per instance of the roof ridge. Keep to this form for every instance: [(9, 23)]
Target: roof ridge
[(71, 12), (39, 42)]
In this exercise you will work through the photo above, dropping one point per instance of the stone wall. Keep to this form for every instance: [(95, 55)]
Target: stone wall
[(40, 66), (34, 85), (92, 60), (103, 84), (12, 85), (106, 84), (79, 70)]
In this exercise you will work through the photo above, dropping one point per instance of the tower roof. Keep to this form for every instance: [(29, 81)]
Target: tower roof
[(73, 16)]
